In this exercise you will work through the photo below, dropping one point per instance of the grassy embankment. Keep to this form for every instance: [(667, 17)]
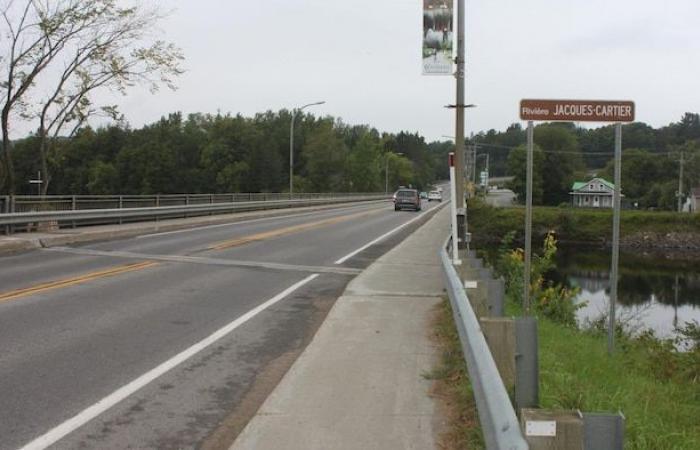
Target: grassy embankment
[(577, 225), (661, 407), (656, 387)]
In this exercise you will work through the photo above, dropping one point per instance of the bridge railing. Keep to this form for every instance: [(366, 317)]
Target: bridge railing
[(22, 213), (499, 422)]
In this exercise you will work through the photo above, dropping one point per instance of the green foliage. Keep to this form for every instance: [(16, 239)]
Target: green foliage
[(554, 301), (577, 372), (517, 166), (573, 225), (216, 153)]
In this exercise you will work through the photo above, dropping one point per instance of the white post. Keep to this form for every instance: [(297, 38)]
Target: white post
[(453, 212)]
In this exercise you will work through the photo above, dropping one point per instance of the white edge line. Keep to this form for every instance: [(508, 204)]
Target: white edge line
[(89, 413), (242, 222), (385, 235)]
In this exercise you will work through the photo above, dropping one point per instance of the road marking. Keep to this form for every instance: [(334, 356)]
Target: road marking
[(205, 260), (89, 413), (243, 222), (58, 284), (287, 230), (385, 235)]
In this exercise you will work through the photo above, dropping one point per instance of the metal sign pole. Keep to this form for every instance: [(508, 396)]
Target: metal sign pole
[(528, 220), (459, 109), (453, 211), (616, 236)]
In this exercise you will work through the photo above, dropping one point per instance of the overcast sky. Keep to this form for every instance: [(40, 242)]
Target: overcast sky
[(364, 59)]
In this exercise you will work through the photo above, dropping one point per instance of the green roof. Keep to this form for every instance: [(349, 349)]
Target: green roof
[(579, 184)]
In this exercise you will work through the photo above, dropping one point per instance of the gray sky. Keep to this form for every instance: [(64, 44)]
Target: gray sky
[(364, 59)]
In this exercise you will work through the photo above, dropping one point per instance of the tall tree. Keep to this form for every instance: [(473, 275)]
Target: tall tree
[(562, 161), (92, 44), (517, 168)]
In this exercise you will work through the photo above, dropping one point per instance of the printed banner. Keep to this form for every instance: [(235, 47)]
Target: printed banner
[(437, 37)]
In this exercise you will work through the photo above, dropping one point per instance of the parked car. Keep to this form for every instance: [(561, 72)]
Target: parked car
[(435, 195), (407, 199), (423, 195)]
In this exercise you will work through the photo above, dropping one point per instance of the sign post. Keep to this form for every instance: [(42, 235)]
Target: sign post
[(578, 111), (528, 219), (38, 181), (453, 211)]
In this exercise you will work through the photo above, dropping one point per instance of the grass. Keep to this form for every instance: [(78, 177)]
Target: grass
[(576, 372), (574, 225), (452, 388)]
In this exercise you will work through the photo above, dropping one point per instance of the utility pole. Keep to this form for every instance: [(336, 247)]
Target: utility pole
[(459, 106), (680, 185)]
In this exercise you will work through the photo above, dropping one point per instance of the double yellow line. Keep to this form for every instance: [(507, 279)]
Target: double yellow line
[(84, 278), (80, 279), (287, 231)]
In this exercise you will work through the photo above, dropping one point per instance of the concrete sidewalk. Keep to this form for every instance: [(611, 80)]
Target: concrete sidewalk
[(359, 384)]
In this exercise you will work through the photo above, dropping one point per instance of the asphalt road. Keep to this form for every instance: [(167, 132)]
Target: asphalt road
[(172, 340)]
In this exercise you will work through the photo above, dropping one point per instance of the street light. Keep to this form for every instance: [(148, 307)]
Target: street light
[(386, 171), (291, 145)]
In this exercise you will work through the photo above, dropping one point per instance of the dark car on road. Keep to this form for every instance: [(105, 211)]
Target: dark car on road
[(407, 199)]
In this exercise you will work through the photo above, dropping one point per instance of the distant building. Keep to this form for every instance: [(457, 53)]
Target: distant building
[(596, 193), (693, 202)]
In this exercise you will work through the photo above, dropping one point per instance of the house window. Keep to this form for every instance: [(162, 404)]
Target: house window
[(600, 187)]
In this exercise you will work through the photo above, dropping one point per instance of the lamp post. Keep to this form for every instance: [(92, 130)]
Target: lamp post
[(386, 171), (291, 146)]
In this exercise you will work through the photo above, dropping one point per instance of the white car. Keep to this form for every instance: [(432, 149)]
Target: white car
[(434, 195)]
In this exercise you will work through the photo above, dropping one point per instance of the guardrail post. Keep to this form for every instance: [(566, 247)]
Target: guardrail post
[(73, 207), (157, 200), (121, 206), (6, 209), (13, 209), (527, 374), (602, 431)]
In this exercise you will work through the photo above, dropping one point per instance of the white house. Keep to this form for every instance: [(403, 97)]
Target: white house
[(692, 204), (596, 193)]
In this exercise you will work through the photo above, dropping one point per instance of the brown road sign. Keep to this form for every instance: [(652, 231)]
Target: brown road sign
[(577, 110)]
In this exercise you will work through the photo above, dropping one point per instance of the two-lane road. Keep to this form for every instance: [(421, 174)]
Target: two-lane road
[(172, 340)]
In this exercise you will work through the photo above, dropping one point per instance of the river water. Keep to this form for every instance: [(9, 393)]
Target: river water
[(655, 290)]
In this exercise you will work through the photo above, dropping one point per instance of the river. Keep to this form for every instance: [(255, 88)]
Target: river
[(657, 291)]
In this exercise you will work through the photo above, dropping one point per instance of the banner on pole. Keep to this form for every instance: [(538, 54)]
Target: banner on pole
[(437, 37)]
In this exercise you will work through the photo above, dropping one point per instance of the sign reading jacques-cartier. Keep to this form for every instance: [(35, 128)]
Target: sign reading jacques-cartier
[(577, 110)]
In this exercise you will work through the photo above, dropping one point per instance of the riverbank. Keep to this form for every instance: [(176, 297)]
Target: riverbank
[(640, 230), (642, 379)]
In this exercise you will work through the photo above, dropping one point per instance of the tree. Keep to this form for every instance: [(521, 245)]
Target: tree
[(91, 44), (326, 156), (562, 161), (517, 168), (365, 164)]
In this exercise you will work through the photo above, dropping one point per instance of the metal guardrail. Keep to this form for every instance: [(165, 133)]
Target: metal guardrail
[(27, 203), (116, 215), (499, 423)]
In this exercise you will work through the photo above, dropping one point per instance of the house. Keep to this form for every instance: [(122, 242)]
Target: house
[(693, 203), (596, 193)]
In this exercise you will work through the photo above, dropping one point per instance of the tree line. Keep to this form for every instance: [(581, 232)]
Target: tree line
[(565, 153), (205, 153)]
